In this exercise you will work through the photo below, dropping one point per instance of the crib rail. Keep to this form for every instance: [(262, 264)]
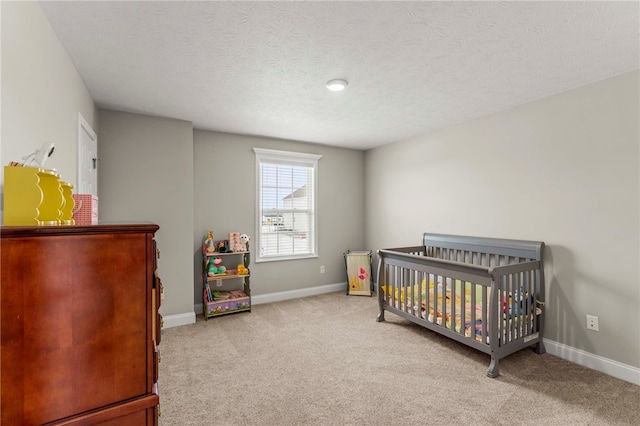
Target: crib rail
[(481, 250), (493, 307)]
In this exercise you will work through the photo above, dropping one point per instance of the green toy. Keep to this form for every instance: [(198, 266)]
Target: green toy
[(215, 267)]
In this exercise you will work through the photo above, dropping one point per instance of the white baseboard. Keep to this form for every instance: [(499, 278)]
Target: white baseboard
[(179, 319), (295, 294), (286, 295), (613, 368)]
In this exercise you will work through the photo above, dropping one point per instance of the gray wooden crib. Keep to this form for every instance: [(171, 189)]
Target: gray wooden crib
[(486, 293)]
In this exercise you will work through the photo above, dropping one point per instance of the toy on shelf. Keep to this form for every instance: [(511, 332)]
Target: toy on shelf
[(244, 242), (221, 246), (234, 242), (215, 268), (209, 245), (242, 270)]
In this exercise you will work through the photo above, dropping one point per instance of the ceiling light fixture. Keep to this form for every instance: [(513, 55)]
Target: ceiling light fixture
[(336, 85)]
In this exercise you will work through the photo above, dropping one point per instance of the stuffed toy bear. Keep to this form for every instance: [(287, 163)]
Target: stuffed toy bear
[(244, 241)]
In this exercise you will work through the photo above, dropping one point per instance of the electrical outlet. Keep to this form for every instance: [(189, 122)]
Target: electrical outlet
[(218, 283), (322, 269), (592, 323)]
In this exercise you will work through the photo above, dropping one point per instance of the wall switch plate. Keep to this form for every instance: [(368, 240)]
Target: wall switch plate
[(592, 323), (322, 269)]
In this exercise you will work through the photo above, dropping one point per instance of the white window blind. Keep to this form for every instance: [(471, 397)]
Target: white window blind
[(287, 208)]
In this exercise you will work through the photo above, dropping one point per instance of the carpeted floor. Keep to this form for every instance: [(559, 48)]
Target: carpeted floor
[(324, 360)]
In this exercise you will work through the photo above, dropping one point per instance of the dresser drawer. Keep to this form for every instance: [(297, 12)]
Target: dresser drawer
[(135, 412)]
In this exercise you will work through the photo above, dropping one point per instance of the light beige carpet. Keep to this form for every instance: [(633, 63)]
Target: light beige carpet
[(324, 360)]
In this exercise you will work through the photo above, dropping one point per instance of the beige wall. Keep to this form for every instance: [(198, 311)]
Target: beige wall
[(42, 92), (563, 170), (225, 201), (146, 174)]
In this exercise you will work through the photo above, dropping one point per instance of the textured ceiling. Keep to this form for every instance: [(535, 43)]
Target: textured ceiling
[(260, 68)]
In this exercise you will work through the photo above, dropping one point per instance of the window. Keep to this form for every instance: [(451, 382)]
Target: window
[(286, 200)]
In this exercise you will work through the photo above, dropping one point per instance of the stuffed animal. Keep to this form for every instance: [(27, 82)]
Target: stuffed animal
[(215, 267), (209, 246), (242, 270), (244, 241)]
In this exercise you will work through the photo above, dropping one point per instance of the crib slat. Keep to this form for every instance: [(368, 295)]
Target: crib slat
[(407, 289), (420, 301), (484, 314), (430, 278), (524, 305), (520, 301), (502, 318), (415, 288), (418, 305), (484, 320), (473, 320), (443, 297), (510, 296), (534, 302), (395, 289), (437, 297), (463, 307), (515, 310), (526, 315), (538, 291), (390, 283), (403, 289), (531, 302), (454, 302), (500, 325), (506, 317)]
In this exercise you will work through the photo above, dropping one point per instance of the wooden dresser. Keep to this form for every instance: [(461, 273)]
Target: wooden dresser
[(79, 325)]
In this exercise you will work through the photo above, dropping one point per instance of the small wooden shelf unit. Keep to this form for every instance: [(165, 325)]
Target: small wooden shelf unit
[(229, 292)]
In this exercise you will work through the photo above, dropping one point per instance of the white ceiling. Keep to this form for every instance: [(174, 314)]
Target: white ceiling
[(260, 68)]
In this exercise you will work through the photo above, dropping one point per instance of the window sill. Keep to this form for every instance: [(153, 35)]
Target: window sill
[(280, 258)]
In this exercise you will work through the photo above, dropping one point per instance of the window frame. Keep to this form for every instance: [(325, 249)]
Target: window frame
[(274, 156)]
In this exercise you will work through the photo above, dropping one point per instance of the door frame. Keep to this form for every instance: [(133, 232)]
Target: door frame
[(84, 126)]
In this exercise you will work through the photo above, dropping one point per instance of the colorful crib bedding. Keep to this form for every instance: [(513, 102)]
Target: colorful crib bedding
[(416, 298), (461, 311)]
